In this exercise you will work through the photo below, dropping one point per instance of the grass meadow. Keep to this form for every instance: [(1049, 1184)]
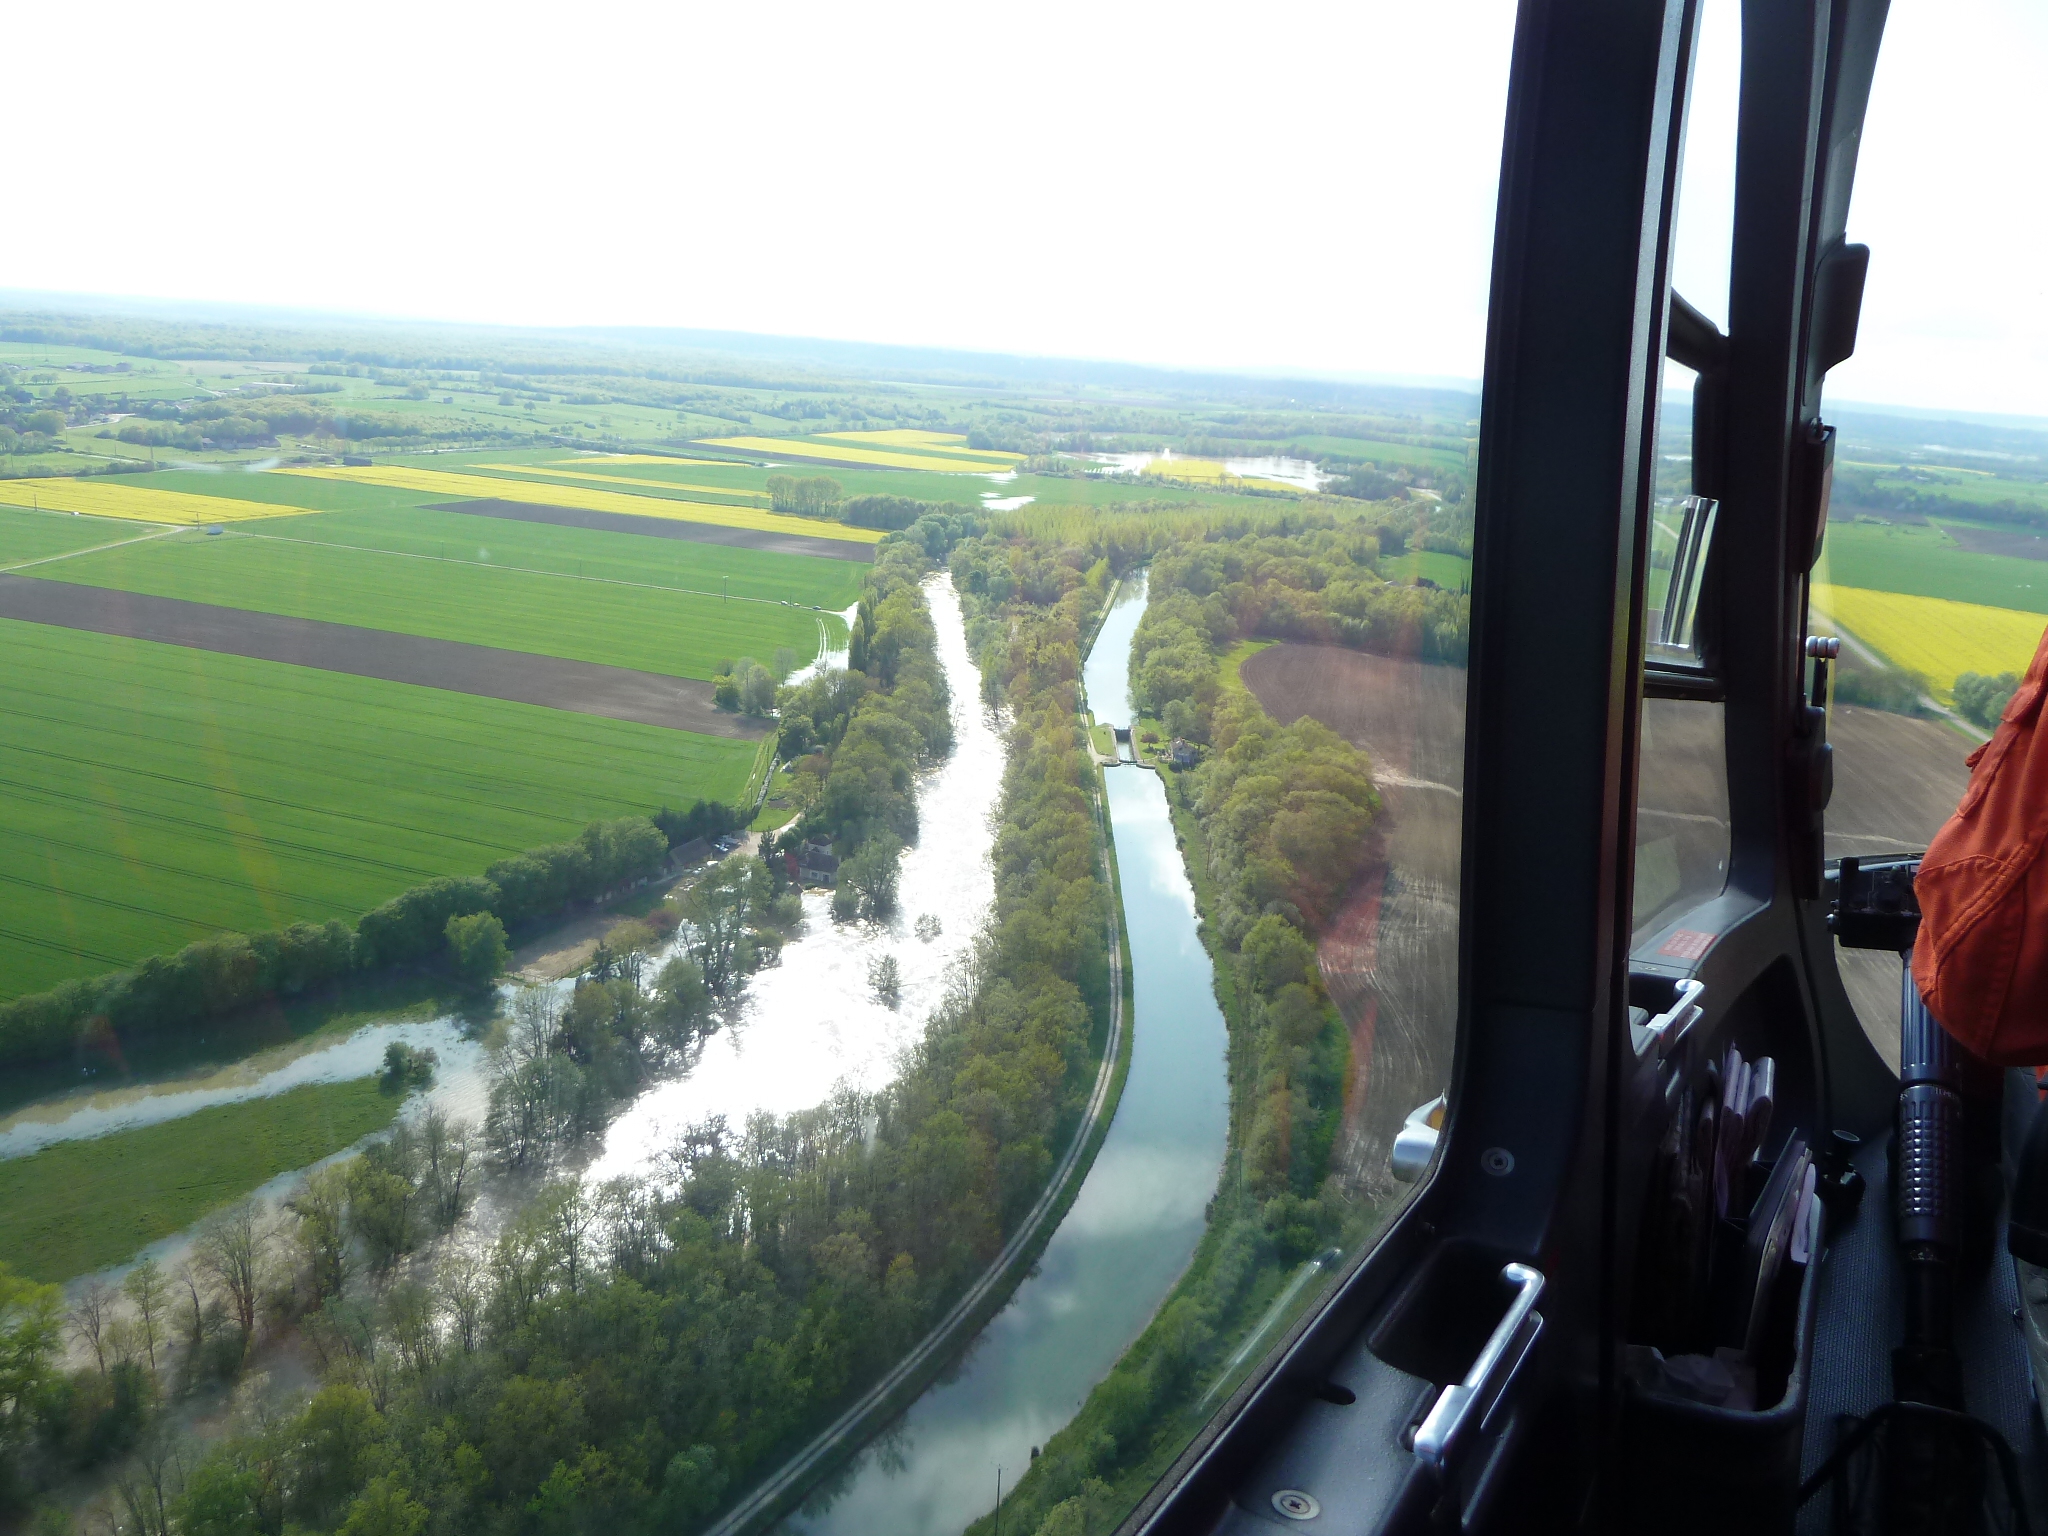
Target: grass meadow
[(26, 535), (811, 580), (611, 621), (81, 1206), (1922, 560), (151, 794), (1451, 572)]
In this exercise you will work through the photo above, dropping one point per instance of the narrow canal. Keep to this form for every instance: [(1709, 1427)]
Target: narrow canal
[(1132, 1228)]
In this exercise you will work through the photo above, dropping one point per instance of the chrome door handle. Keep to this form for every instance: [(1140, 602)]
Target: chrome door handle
[(1669, 1027), (1508, 1346)]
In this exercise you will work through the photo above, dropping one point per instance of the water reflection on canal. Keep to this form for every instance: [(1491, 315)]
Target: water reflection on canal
[(1132, 1228)]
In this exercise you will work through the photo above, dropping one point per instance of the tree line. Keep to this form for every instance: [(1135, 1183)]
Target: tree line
[(821, 496), (225, 974)]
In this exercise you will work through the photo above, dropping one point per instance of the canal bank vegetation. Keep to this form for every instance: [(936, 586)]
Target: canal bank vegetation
[(1274, 822), (635, 1355)]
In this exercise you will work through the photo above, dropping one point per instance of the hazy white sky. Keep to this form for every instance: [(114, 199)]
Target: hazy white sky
[(1292, 185)]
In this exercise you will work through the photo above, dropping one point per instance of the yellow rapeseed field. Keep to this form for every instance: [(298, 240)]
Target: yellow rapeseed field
[(130, 498), (805, 448), (903, 437), (447, 483), (908, 437), (587, 474), (1933, 636)]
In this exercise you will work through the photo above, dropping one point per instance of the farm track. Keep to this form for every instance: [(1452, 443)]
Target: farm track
[(655, 526), (617, 693)]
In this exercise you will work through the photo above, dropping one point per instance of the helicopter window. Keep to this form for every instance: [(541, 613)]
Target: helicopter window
[(1682, 833), (1703, 230), (1932, 569), (1681, 811)]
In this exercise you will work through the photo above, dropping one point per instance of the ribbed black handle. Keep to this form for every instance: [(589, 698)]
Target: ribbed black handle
[(1930, 1122)]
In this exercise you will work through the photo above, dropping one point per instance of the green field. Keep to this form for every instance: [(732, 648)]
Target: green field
[(1451, 572), (608, 621), (920, 485), (28, 535), (1925, 562), (80, 1206), (151, 794), (287, 490), (807, 579), (1371, 451)]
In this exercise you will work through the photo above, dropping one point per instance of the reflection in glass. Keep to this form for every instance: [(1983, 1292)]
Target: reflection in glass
[(1681, 811)]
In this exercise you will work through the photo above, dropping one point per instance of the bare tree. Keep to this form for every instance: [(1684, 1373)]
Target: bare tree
[(462, 1282), (195, 1311), (321, 1233), (231, 1249), (149, 1294), (570, 1224), (411, 1311), (92, 1313), (152, 1479), (446, 1147)]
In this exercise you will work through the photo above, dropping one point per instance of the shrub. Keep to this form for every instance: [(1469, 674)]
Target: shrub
[(1983, 699), (476, 947)]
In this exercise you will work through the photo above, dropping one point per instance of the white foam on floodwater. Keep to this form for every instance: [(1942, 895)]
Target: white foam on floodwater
[(811, 1022)]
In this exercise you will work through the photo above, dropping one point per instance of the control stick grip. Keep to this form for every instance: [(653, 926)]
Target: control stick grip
[(1930, 1121)]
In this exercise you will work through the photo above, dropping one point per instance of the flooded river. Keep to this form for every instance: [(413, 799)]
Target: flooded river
[(1132, 1228), (811, 1022), (803, 1026)]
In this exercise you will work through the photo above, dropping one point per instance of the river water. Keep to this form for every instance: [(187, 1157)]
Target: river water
[(1132, 1228), (811, 1021)]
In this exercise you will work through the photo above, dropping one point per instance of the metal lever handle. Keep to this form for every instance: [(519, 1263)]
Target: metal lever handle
[(1505, 1350), (1669, 1027)]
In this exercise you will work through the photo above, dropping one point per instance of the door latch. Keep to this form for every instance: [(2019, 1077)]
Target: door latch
[(1472, 1401)]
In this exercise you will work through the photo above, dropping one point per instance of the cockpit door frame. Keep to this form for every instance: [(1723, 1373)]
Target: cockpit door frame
[(1575, 345)]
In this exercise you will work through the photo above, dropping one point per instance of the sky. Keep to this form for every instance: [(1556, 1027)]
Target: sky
[(1294, 186)]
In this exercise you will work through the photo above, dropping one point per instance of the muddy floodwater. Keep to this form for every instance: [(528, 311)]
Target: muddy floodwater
[(1132, 1228), (812, 1022)]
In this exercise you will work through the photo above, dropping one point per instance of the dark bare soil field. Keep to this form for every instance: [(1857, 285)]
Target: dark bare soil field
[(2000, 541), (1896, 781), (618, 693), (662, 528), (1390, 956), (1408, 716), (1681, 810)]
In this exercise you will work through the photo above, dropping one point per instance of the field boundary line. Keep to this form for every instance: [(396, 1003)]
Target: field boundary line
[(72, 554)]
